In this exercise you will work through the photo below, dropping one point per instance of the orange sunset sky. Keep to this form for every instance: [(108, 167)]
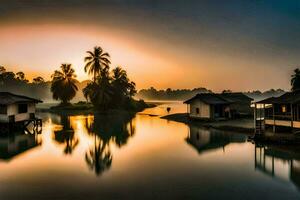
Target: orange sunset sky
[(239, 46)]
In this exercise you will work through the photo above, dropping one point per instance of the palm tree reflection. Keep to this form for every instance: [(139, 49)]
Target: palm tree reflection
[(107, 130), (99, 157), (66, 135)]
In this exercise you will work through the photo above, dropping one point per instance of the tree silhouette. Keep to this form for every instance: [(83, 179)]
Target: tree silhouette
[(99, 93), (63, 86), (2, 70), (96, 62), (38, 80), (21, 77), (295, 81), (120, 84)]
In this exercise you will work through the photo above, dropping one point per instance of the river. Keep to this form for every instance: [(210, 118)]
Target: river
[(141, 157)]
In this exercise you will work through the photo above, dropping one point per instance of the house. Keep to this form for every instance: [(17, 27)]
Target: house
[(16, 108), (218, 106), (282, 111)]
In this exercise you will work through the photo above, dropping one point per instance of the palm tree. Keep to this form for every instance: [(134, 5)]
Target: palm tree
[(90, 92), (120, 83), (120, 79), (295, 81), (99, 93), (63, 86), (96, 61), (123, 88)]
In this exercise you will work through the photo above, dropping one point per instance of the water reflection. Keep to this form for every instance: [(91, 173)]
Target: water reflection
[(99, 157), (204, 140), (113, 128), (278, 162), (107, 130), (17, 143), (104, 131), (164, 153), (66, 135)]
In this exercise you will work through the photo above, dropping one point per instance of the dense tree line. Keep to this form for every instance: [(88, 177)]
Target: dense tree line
[(183, 94), (169, 94), (19, 84)]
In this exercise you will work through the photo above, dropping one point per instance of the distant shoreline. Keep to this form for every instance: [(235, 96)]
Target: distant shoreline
[(87, 108)]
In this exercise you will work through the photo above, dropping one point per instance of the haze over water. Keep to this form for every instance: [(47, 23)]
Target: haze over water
[(140, 157)]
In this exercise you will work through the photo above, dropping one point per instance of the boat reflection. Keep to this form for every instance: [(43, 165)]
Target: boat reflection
[(204, 140), (17, 143), (278, 162)]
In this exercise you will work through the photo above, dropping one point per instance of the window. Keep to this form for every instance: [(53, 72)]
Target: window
[(283, 109), (197, 110), (3, 109), (22, 108)]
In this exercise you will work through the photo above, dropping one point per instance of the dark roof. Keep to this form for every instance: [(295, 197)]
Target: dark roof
[(7, 98), (269, 100), (209, 98), (236, 97), (224, 98), (288, 97)]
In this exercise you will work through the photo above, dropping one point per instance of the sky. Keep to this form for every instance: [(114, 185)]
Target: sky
[(238, 45)]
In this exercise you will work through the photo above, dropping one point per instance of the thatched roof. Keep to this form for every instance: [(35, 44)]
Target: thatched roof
[(7, 98), (224, 98)]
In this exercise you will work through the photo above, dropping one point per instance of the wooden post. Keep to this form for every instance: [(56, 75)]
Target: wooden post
[(297, 113), (273, 171), (292, 116), (255, 157), (264, 113), (274, 127), (255, 118)]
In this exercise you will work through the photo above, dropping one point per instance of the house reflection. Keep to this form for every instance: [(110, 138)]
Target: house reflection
[(204, 140), (66, 135), (107, 130), (17, 143), (278, 162)]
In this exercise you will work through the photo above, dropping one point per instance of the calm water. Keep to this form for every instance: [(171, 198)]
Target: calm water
[(141, 157)]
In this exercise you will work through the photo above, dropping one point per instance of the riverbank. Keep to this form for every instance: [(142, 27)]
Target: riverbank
[(244, 125), (84, 108)]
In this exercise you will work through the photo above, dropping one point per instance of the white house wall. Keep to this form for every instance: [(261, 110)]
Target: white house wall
[(204, 109), (13, 110)]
